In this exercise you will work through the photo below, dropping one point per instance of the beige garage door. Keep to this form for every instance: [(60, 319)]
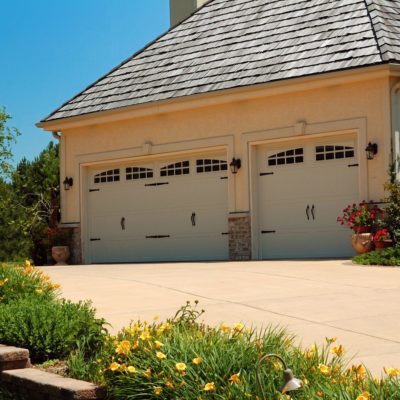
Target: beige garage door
[(159, 211), (302, 188)]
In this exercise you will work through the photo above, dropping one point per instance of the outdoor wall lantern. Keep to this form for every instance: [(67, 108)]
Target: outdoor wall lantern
[(371, 150), (291, 383), (68, 182), (235, 165)]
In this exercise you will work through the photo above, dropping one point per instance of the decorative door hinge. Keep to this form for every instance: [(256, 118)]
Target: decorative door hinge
[(94, 190), (266, 173), (94, 239), (157, 184), (263, 232), (157, 236)]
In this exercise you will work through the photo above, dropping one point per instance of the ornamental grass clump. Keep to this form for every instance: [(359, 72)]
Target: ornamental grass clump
[(184, 359), (24, 281)]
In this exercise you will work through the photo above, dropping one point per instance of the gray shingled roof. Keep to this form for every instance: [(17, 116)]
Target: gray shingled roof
[(233, 43)]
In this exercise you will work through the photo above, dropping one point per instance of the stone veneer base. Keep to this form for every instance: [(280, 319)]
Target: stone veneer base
[(239, 236)]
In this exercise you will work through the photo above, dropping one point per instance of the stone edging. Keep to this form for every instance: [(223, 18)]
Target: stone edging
[(17, 376)]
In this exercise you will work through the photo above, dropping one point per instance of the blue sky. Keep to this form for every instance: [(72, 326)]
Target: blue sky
[(52, 49)]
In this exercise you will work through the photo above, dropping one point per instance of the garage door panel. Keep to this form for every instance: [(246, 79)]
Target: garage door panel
[(300, 203), (172, 217)]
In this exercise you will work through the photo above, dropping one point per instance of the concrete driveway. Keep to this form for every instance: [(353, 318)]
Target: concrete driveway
[(313, 299)]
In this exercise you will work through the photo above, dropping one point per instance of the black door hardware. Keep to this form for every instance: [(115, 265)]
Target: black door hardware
[(263, 232), (157, 184), (123, 223), (312, 211), (307, 212), (157, 236), (266, 173), (193, 219)]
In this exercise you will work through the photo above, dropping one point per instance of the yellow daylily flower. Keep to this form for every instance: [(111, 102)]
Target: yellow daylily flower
[(131, 369), (235, 378), (180, 367), (157, 390), (338, 350), (364, 396), (114, 366), (238, 327), (394, 372), (158, 344), (209, 387), (196, 361), (324, 369), (160, 355)]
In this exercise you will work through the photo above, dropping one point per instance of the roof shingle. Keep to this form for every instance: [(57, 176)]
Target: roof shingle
[(233, 43)]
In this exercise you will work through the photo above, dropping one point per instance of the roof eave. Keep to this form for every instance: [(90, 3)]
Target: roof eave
[(223, 96)]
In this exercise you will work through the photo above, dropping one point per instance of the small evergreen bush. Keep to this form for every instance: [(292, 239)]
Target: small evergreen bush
[(388, 256), (50, 328)]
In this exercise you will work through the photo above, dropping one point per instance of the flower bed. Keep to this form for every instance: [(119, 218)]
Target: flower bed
[(183, 359), (179, 358)]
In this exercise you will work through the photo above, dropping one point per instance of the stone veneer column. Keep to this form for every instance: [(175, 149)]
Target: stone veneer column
[(239, 236), (75, 246)]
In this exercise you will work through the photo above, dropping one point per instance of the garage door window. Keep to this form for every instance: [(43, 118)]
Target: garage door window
[(112, 175), (292, 156), (134, 173), (331, 152), (179, 168), (207, 165)]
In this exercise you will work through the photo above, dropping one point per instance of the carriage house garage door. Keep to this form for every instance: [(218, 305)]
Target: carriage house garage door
[(159, 211), (302, 189)]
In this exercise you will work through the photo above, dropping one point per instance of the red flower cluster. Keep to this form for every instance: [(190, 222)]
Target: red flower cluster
[(57, 236), (382, 234), (364, 214)]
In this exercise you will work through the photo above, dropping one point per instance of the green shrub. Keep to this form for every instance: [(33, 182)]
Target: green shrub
[(388, 256), (182, 359), (50, 329), (6, 395), (19, 282)]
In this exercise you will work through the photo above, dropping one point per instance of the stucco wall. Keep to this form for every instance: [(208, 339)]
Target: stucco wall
[(366, 100)]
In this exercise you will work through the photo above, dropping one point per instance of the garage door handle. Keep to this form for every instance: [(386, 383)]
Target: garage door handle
[(193, 219), (307, 212), (312, 211), (123, 223)]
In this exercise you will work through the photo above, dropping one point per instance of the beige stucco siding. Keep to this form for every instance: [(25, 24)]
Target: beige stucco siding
[(234, 123)]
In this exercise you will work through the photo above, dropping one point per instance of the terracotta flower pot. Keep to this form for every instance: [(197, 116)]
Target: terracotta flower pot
[(382, 244), (60, 254), (361, 229), (362, 242)]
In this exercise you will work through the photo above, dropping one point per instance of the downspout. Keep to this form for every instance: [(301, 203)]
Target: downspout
[(56, 135), (395, 104)]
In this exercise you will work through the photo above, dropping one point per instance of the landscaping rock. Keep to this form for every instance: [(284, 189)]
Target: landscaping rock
[(38, 385), (13, 358)]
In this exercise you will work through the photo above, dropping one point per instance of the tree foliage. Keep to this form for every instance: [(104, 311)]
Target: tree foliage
[(28, 205), (8, 136)]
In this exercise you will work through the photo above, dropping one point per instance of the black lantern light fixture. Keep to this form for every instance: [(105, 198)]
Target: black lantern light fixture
[(371, 150), (68, 182), (235, 165), (291, 383)]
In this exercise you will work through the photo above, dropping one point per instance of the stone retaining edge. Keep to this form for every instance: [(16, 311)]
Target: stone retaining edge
[(17, 377)]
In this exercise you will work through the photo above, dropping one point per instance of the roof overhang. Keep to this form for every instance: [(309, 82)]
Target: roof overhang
[(224, 96)]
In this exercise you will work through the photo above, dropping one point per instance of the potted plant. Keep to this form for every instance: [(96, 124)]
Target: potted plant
[(382, 239), (59, 242), (361, 219)]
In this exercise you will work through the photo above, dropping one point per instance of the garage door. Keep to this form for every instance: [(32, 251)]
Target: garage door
[(159, 211), (302, 189)]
